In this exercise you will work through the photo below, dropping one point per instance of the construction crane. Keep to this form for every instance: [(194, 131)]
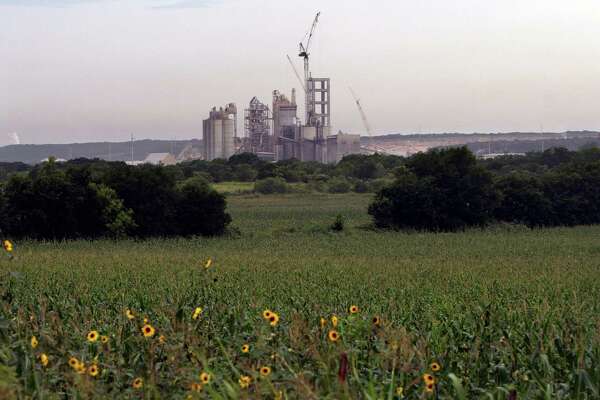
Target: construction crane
[(362, 113), (304, 52), (297, 74)]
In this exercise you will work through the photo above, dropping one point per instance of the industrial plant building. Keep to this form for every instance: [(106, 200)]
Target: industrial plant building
[(219, 132), (277, 133)]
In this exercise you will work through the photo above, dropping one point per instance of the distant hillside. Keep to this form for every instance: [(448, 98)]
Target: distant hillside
[(34, 153)]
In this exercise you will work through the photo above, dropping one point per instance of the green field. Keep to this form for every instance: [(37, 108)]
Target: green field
[(501, 310)]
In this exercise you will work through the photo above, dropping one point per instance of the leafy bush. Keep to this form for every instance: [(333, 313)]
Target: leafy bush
[(338, 224), (361, 187), (442, 190), (339, 185), (271, 186)]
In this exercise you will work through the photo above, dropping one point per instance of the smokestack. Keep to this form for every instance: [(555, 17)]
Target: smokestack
[(294, 96)]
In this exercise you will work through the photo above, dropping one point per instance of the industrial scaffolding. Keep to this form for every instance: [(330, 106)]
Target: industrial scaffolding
[(257, 123)]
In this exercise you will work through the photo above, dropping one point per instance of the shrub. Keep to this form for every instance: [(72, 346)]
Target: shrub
[(339, 185), (442, 190), (338, 224), (270, 186), (201, 210), (361, 187)]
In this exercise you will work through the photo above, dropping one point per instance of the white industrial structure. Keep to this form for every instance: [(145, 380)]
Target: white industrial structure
[(219, 133)]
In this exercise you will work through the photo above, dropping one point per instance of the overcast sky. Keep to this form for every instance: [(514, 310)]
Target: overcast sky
[(88, 70)]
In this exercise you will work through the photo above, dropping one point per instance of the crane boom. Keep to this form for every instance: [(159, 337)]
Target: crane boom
[(297, 74), (362, 113)]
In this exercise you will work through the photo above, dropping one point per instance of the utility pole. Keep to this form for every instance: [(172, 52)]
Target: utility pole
[(132, 148)]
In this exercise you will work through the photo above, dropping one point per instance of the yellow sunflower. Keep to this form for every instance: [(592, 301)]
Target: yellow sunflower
[(162, 339), (334, 321), (323, 323), (73, 362), (196, 387), (274, 319), (80, 368), (353, 309), (208, 263), (429, 387), (333, 335), (435, 367), (148, 330), (92, 336), (400, 391), (44, 359), (33, 342), (205, 378), (265, 371), (93, 370), (427, 378), (7, 246), (245, 381), (267, 314), (197, 312), (245, 348), (138, 383), (376, 320), (104, 339), (129, 314)]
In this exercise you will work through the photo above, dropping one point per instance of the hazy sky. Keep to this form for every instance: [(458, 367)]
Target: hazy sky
[(83, 70)]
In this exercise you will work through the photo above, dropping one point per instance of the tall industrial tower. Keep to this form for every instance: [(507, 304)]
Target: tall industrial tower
[(317, 90), (257, 123)]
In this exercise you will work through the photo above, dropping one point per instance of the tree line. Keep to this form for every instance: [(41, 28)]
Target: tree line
[(449, 190), (90, 199)]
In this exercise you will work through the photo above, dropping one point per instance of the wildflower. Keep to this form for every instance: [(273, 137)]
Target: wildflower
[(197, 313), (208, 263), (267, 314), (274, 319), (148, 330), (104, 339), (428, 378), (205, 378), (93, 370), (7, 246), (73, 362), (34, 342), (138, 383), (146, 321), (435, 367), (80, 368), (162, 339), (245, 348), (334, 321), (333, 335), (92, 336), (400, 392), (244, 381), (265, 371), (429, 388), (196, 387), (323, 323), (129, 314), (44, 359), (376, 320), (353, 309)]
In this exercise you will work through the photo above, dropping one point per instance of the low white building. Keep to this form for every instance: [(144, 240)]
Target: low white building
[(160, 159)]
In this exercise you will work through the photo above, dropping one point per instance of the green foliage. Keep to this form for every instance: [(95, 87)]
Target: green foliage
[(339, 185), (501, 311), (442, 190), (270, 186), (117, 219), (85, 201), (338, 224)]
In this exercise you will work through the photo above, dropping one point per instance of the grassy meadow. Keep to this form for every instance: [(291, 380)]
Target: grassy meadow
[(504, 313)]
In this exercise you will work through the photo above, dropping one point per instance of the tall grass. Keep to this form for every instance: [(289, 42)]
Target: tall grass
[(503, 312)]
